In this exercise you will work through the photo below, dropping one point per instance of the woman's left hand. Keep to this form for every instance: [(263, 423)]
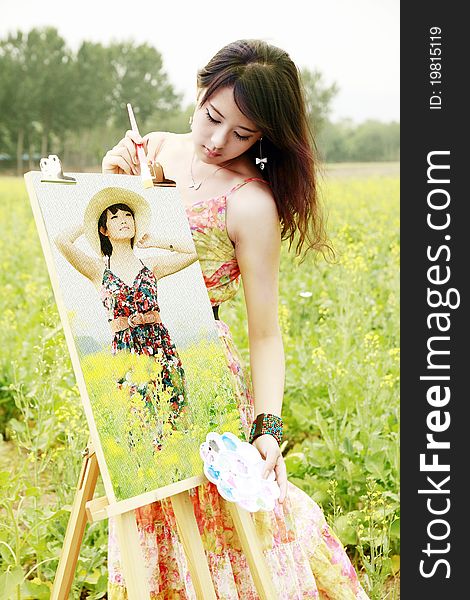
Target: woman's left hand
[(145, 241), (269, 449)]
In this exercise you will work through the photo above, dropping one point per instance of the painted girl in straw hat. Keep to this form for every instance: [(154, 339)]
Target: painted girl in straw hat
[(115, 221)]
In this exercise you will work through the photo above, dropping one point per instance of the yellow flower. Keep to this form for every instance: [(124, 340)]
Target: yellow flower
[(114, 449), (284, 321), (318, 355), (388, 381)]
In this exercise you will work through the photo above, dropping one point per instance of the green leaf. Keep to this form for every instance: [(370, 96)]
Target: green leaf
[(395, 563), (295, 463), (348, 446), (392, 496), (376, 465), (101, 587), (9, 582), (35, 590), (93, 578), (301, 415), (5, 477), (395, 529), (345, 531), (17, 426)]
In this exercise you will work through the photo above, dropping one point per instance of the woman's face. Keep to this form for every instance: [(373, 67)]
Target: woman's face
[(119, 226), (220, 131)]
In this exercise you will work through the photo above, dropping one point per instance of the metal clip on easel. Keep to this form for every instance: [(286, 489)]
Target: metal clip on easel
[(158, 177), (51, 171)]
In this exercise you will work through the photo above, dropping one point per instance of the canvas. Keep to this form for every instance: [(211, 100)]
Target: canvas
[(149, 402)]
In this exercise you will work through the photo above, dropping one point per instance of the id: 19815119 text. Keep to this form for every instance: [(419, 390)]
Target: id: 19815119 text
[(435, 68)]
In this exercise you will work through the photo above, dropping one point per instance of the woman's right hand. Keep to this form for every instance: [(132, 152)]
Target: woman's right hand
[(123, 157), (153, 143)]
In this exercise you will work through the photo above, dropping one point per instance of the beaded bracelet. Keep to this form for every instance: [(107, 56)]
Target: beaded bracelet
[(266, 423)]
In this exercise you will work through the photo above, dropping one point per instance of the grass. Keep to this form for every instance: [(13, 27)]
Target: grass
[(340, 326)]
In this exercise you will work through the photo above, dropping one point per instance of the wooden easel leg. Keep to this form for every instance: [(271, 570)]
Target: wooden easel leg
[(132, 560), (131, 553), (76, 526), (254, 555), (193, 548)]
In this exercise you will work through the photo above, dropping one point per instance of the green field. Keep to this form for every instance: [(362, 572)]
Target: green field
[(340, 326)]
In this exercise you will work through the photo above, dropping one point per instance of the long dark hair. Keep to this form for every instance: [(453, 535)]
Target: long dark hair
[(106, 246), (267, 89)]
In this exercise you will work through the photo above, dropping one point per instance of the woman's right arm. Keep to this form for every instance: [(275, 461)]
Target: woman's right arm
[(82, 262), (123, 157)]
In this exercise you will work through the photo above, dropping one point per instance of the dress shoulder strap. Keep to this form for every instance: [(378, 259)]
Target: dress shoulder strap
[(244, 182)]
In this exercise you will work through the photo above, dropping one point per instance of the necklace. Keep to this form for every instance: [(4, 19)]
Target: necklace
[(195, 186)]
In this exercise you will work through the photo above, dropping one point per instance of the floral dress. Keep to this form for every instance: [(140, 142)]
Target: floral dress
[(152, 339), (304, 557)]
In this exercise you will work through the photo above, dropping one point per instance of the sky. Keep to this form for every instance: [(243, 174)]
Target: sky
[(354, 43)]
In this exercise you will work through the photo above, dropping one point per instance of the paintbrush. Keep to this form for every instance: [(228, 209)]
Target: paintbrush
[(144, 168)]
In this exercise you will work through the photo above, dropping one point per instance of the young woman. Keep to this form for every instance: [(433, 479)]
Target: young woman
[(246, 175), (114, 219)]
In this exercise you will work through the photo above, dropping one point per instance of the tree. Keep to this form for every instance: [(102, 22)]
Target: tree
[(37, 87), (373, 140), (50, 67), (139, 78), (93, 84), (367, 141), (318, 97), (176, 120), (16, 97), (49, 95), (333, 140)]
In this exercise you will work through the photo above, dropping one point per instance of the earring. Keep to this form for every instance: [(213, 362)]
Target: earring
[(191, 122), (261, 161)]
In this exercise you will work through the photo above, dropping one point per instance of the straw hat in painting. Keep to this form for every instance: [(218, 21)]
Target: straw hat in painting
[(107, 197)]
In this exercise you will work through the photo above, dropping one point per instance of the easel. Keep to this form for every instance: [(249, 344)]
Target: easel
[(85, 508)]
